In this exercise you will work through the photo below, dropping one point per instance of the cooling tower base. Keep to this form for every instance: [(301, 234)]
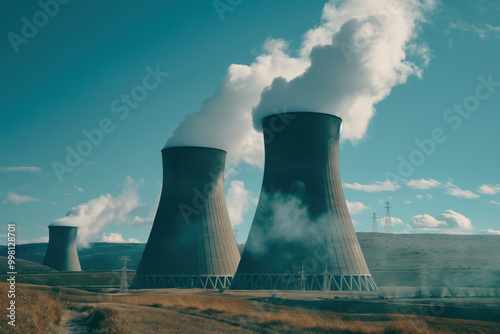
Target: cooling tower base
[(306, 282), (181, 281)]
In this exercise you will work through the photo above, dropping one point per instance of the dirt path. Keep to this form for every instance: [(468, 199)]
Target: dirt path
[(74, 322)]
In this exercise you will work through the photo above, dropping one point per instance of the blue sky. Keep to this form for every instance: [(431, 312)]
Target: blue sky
[(64, 78)]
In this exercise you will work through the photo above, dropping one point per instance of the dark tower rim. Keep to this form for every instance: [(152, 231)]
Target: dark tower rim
[(63, 226), (192, 147), (302, 112)]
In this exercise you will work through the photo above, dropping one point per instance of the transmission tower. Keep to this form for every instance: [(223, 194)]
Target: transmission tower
[(303, 280), (388, 220), (124, 281), (326, 280), (374, 228)]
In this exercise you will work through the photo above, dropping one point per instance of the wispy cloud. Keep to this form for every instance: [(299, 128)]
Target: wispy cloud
[(448, 222), (117, 238), (356, 207), (20, 169), (490, 231), (489, 189), (455, 191), (33, 241), (394, 221), (423, 184), (494, 202), (14, 198), (482, 30), (373, 188)]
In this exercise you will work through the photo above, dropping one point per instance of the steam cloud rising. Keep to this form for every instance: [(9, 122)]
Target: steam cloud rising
[(92, 217), (346, 65)]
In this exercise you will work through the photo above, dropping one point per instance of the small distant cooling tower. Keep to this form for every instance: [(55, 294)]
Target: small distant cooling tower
[(61, 252), (302, 237), (191, 244)]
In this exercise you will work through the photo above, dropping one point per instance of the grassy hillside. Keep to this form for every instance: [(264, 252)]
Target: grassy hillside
[(24, 266), (100, 256), (445, 260), (394, 259)]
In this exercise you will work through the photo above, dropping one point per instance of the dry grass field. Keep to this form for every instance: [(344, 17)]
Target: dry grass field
[(66, 310), (462, 295)]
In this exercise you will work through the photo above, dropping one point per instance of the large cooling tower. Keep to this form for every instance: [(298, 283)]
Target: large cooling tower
[(302, 236), (61, 252), (191, 244)]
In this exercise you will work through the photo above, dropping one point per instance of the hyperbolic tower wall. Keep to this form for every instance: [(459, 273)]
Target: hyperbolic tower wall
[(61, 252), (302, 235), (191, 244)]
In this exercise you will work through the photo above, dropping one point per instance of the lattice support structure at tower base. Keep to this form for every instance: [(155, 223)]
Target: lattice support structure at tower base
[(181, 282), (309, 282)]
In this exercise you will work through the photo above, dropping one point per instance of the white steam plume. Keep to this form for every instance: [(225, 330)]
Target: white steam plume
[(362, 56), (225, 119), (345, 66), (93, 216)]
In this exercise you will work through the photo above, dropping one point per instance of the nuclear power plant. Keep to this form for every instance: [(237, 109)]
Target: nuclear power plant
[(61, 252), (191, 244), (288, 251)]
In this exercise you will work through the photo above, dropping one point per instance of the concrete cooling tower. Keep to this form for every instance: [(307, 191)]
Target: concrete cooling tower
[(302, 237), (191, 244), (61, 252)]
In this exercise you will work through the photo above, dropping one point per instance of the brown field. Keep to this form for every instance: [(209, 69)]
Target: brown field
[(45, 309)]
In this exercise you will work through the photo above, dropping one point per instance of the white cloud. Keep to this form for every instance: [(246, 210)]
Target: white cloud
[(419, 196), (14, 198), (33, 241), (356, 207), (489, 189), (423, 184), (147, 221), (454, 220), (238, 201), (425, 223), (494, 202), (408, 202), (394, 221), (490, 231), (20, 169), (429, 196), (455, 191), (483, 30), (79, 189), (447, 222), (117, 238), (91, 217), (376, 187)]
